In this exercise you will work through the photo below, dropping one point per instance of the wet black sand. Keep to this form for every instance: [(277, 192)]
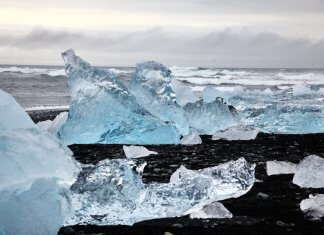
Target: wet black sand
[(271, 207)]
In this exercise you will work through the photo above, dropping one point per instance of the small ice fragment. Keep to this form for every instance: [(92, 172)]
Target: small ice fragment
[(184, 94), (215, 210), (268, 91), (236, 133), (210, 94), (310, 172), (313, 206), (191, 139), (13, 116), (137, 151), (54, 126), (301, 89), (280, 167)]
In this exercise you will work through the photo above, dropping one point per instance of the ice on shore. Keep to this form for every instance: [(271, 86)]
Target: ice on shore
[(54, 126), (111, 192), (137, 151), (210, 94), (13, 116), (102, 110), (191, 139), (151, 87), (313, 206), (215, 210), (207, 118), (310, 172), (280, 167), (184, 94), (236, 133)]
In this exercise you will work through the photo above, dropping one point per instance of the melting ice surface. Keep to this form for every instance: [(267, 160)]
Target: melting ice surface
[(313, 206), (35, 173), (111, 192), (102, 110)]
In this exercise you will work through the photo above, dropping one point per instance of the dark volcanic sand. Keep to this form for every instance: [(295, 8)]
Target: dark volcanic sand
[(271, 207)]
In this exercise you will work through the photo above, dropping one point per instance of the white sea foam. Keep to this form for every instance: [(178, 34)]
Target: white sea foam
[(37, 108), (33, 70)]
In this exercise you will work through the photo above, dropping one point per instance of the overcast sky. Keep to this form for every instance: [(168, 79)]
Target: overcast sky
[(218, 33)]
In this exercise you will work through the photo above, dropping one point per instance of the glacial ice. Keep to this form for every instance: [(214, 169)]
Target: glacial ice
[(137, 151), (210, 94), (215, 210), (111, 192), (301, 89), (13, 116), (40, 208), (236, 133), (54, 126), (184, 94), (280, 167), (310, 172), (191, 139), (151, 87), (207, 118), (102, 110), (313, 206)]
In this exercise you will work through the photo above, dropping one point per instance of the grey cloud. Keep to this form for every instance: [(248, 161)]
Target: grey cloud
[(216, 48)]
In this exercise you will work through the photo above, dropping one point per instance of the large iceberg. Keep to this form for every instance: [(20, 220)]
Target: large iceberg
[(310, 172), (111, 192), (35, 174), (151, 87), (102, 110), (207, 118)]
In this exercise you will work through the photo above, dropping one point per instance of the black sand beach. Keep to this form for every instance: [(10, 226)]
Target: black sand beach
[(271, 207)]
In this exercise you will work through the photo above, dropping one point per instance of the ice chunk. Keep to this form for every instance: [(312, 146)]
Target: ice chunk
[(280, 167), (191, 139), (111, 192), (210, 94), (184, 94), (301, 89), (38, 209), (31, 154), (102, 110), (313, 206), (137, 151), (151, 87), (207, 118), (310, 172), (215, 210), (236, 133), (54, 126), (13, 116)]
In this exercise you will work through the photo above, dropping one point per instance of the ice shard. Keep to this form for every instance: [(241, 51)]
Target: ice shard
[(54, 126), (313, 206), (184, 94), (137, 151), (207, 118), (111, 192), (210, 94), (310, 172), (151, 87), (280, 167), (191, 139), (102, 110), (237, 133), (13, 116), (215, 210)]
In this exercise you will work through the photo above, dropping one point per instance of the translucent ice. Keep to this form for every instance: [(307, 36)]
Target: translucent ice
[(207, 118), (280, 167), (310, 172), (184, 94), (54, 126), (151, 87), (215, 210), (137, 151), (237, 133), (191, 139), (13, 116), (102, 110), (210, 94), (111, 192), (301, 89), (40, 208), (313, 206)]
